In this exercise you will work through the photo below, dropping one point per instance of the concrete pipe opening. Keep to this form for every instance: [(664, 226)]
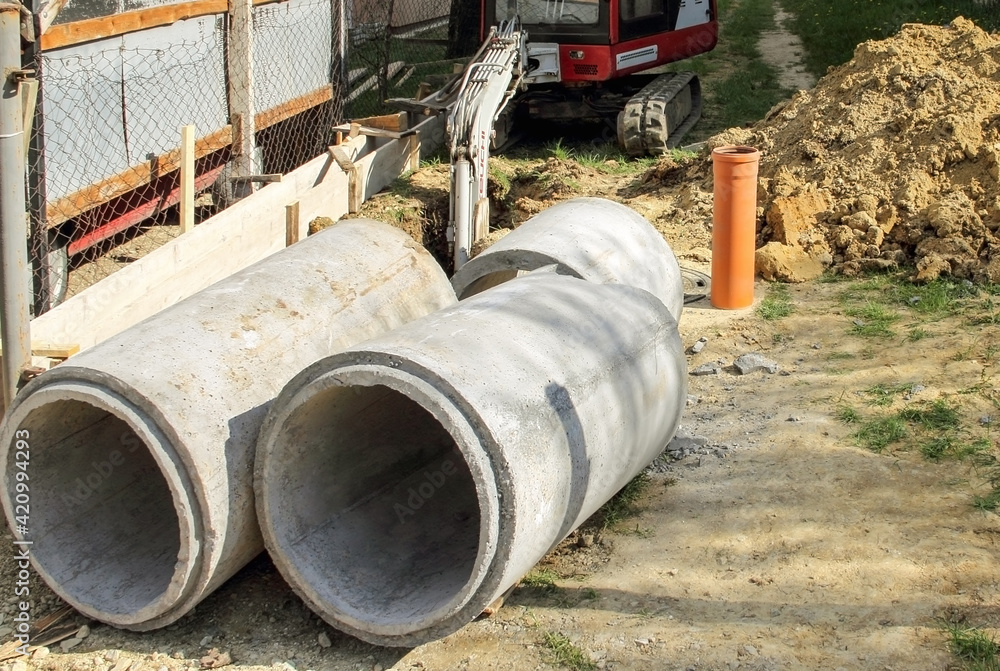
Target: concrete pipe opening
[(377, 513), (103, 520)]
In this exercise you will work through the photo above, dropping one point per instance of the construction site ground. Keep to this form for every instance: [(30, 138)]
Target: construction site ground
[(768, 536)]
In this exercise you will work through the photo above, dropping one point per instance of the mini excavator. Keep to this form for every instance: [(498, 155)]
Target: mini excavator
[(571, 60)]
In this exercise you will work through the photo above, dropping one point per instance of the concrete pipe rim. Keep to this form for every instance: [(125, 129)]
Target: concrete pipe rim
[(316, 381), (161, 599), (496, 267)]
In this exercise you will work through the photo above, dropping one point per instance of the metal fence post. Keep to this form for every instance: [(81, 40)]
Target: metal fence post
[(14, 274)]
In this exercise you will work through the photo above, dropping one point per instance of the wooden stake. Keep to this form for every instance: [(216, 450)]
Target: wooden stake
[(291, 224), (187, 178), (29, 94)]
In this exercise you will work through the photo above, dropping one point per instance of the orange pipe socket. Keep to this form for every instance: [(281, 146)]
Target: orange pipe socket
[(734, 228)]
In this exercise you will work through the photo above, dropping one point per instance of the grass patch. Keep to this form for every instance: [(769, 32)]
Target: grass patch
[(777, 304), (978, 650), (739, 87), (830, 31), (623, 504), (563, 652), (990, 501), (872, 320), (951, 447), (917, 334), (938, 415), (541, 578), (848, 415), (556, 149), (880, 432)]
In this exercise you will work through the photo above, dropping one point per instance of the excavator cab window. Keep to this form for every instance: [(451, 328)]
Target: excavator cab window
[(550, 12), (642, 18), (640, 9)]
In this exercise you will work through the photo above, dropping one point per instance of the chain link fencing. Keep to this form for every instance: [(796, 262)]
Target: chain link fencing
[(104, 156), (397, 45)]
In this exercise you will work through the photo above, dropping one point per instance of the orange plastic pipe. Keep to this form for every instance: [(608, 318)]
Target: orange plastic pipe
[(734, 228)]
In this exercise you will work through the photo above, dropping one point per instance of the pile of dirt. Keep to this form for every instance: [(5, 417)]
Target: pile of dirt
[(893, 158)]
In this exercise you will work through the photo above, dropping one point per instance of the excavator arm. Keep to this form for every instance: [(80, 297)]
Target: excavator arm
[(489, 82)]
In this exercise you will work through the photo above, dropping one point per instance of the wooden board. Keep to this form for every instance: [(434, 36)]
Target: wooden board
[(292, 107), (51, 349), (247, 232), (78, 32)]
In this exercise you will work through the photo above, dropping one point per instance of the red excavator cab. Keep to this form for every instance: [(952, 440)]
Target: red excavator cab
[(601, 40)]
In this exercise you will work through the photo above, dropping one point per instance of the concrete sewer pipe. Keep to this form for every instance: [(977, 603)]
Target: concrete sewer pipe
[(141, 448), (591, 238), (406, 483)]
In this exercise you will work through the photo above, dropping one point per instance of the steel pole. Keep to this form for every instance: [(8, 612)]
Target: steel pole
[(14, 274)]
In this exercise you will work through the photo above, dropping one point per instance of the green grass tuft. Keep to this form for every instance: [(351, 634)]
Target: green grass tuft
[(623, 504), (777, 304), (543, 578), (848, 415), (990, 501), (950, 447), (880, 432), (558, 150), (938, 415), (974, 647), (872, 320), (562, 652)]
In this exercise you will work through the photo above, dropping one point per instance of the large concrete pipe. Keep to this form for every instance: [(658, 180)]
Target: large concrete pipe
[(404, 484), (142, 446), (591, 238)]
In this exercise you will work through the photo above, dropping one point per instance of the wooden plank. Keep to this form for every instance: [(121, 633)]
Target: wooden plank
[(187, 179), (294, 106), (395, 122), (136, 176), (239, 68), (51, 349), (291, 224), (103, 27)]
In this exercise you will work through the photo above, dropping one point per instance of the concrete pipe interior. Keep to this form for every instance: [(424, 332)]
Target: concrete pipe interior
[(374, 505), (490, 280), (102, 517)]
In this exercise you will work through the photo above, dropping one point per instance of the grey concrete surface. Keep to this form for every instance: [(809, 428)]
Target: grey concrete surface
[(142, 446), (591, 238), (404, 484)]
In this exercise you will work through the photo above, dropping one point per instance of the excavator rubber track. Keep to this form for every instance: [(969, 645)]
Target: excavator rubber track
[(656, 118)]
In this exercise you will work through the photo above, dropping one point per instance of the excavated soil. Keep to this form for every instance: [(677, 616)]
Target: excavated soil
[(893, 158)]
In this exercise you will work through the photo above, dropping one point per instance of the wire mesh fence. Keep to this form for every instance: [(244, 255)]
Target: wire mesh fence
[(395, 46), (104, 157)]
